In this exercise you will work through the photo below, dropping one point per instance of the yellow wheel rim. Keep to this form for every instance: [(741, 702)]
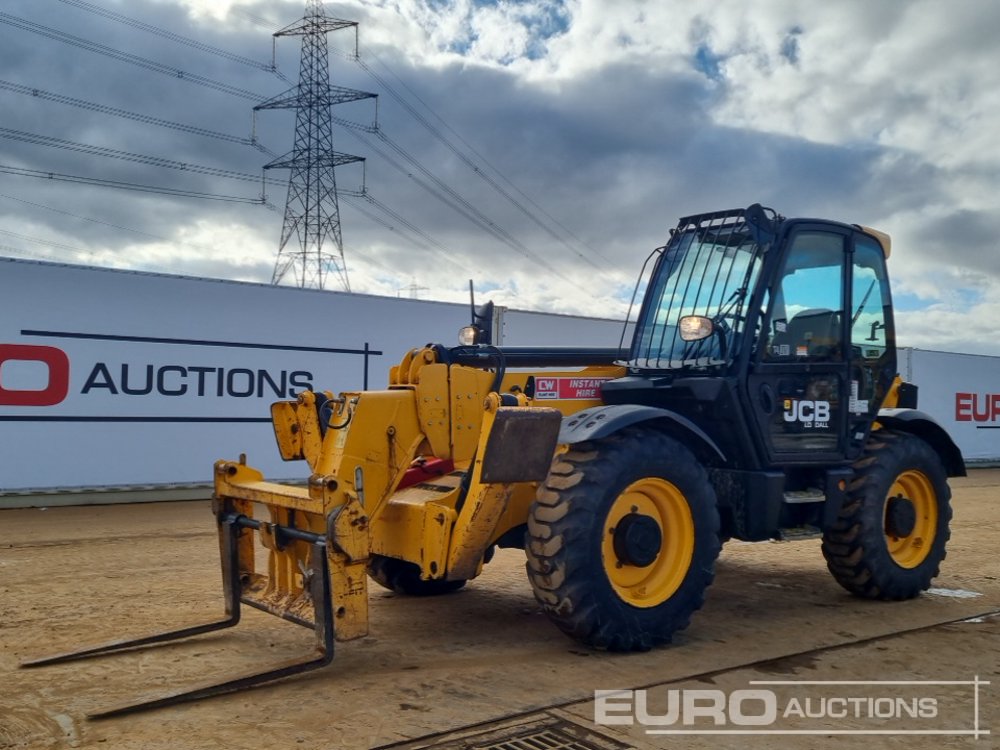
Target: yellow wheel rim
[(911, 550), (655, 583)]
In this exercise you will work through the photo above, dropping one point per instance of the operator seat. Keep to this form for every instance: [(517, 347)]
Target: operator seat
[(814, 332)]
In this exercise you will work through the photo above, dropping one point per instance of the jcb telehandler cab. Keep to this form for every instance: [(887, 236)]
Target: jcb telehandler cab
[(758, 399)]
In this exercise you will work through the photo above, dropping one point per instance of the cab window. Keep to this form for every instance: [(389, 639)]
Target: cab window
[(872, 345), (807, 309), (870, 300)]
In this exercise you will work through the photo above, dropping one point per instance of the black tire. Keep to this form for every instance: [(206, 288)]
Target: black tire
[(404, 578), (868, 551), (570, 530)]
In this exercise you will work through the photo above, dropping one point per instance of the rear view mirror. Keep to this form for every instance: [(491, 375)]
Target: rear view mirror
[(695, 327)]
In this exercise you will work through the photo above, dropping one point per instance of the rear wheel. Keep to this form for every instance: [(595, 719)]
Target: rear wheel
[(404, 578), (890, 537), (622, 540)]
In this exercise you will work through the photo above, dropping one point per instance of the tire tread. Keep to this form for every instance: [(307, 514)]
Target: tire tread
[(560, 543), (854, 547)]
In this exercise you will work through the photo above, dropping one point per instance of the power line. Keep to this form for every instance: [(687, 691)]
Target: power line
[(150, 235), (25, 253), (267, 25), (444, 251), (262, 22), (480, 219), (92, 220), (473, 150), (385, 224), (452, 198), (199, 131), (146, 119), (89, 254), (457, 201), (155, 161), (465, 159), (382, 222), (470, 163), (413, 233), (454, 205), (138, 117), (158, 31), (82, 218), (126, 57), (59, 177), (427, 241), (50, 243)]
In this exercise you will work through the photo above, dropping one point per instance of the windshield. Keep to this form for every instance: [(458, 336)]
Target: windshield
[(708, 269)]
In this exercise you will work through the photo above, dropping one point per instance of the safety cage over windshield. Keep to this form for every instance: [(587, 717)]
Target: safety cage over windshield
[(692, 314)]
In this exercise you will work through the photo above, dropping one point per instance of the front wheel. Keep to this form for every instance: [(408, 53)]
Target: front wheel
[(890, 537), (622, 540)]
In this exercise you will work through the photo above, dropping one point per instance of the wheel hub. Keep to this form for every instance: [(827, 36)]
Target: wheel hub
[(900, 517), (637, 540)]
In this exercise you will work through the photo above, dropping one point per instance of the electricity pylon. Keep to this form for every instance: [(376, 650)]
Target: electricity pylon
[(312, 211)]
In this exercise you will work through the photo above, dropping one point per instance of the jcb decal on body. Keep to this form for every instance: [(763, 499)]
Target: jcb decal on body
[(811, 414), (568, 388)]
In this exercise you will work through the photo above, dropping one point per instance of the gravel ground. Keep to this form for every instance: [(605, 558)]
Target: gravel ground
[(460, 663)]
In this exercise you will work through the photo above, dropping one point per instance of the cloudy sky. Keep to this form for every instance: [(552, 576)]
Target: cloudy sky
[(602, 122)]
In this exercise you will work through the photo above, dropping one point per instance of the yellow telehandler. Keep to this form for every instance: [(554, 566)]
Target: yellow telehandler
[(758, 398)]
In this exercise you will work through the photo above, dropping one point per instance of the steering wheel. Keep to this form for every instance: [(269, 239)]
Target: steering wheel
[(724, 329)]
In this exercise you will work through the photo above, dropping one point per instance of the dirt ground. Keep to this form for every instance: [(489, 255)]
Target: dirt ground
[(484, 668)]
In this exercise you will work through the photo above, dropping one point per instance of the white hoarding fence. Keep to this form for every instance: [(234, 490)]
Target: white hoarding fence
[(962, 392), (111, 378)]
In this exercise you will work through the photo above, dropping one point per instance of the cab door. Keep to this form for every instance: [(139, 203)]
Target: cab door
[(798, 384), (872, 342)]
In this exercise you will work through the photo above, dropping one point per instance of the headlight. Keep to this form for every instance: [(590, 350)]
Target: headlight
[(469, 336)]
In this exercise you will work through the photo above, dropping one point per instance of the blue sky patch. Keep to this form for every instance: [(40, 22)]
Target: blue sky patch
[(707, 62)]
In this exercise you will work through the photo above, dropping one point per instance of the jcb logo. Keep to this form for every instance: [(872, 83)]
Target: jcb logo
[(807, 412), (54, 388)]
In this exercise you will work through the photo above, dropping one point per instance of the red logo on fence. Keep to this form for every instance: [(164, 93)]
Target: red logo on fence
[(58, 381), (976, 407)]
